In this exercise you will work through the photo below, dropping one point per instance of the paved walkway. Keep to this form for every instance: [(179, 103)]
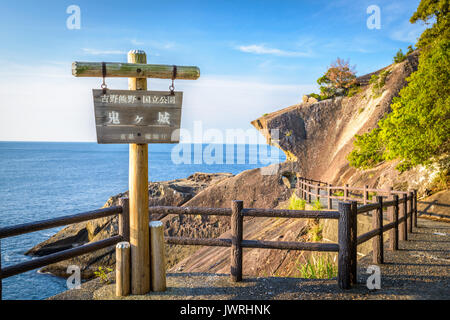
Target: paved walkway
[(419, 270)]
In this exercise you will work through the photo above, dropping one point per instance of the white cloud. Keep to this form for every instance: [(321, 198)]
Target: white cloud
[(262, 49), (49, 104), (102, 52), (407, 32)]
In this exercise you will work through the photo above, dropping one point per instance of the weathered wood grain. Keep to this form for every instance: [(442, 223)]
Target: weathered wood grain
[(134, 70), (138, 194)]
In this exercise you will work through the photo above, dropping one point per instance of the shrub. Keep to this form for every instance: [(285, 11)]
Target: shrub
[(102, 274), (378, 81), (399, 57), (316, 96)]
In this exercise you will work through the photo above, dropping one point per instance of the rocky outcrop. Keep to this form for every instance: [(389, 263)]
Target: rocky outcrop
[(318, 137), (174, 192)]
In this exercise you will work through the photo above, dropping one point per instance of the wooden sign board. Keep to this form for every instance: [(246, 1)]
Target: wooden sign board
[(137, 116)]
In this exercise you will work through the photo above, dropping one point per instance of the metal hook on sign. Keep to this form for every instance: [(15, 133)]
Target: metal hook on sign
[(172, 86), (103, 85)]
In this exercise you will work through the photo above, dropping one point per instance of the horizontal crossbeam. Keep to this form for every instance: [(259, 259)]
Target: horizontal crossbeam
[(134, 70)]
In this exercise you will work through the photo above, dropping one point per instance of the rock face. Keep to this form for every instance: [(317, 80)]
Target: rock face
[(318, 137), (173, 192)]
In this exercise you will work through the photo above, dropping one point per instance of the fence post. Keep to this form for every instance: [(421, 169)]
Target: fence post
[(344, 240), (1, 269), (377, 223), (415, 208), (236, 239), (405, 215), (401, 229), (411, 211), (123, 276), (157, 256), (353, 241), (309, 192), (394, 240), (365, 194), (318, 192), (124, 219), (330, 203), (345, 192), (303, 189), (390, 213)]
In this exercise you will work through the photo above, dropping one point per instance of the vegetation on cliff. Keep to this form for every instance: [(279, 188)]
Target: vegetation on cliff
[(338, 79), (417, 131)]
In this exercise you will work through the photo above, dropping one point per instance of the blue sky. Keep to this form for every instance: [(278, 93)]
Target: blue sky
[(254, 56)]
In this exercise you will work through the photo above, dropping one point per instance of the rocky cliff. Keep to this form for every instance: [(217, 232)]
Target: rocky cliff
[(317, 137)]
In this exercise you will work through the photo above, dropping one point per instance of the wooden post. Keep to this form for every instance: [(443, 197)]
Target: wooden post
[(353, 241), (404, 233), (394, 240), (236, 239), (415, 208), (346, 192), (138, 194), (377, 242), (365, 194), (309, 192), (344, 240), (330, 203), (390, 211), (157, 259), (318, 192), (123, 269), (1, 270), (411, 211), (124, 219)]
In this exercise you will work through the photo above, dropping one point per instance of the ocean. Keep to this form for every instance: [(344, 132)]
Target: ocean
[(42, 180)]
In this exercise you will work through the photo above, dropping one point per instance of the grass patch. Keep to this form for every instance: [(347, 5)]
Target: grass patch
[(296, 203), (317, 205), (318, 267), (338, 193)]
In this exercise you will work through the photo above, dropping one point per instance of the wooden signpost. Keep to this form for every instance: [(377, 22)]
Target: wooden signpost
[(137, 117)]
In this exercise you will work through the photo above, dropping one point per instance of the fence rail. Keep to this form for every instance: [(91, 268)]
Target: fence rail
[(10, 231), (402, 213)]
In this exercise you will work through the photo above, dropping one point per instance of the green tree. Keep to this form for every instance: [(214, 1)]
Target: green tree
[(399, 57), (429, 10), (340, 76), (417, 131)]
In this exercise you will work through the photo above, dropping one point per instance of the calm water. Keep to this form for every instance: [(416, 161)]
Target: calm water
[(46, 180)]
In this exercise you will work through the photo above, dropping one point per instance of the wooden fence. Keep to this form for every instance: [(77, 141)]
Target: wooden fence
[(398, 203), (347, 213), (124, 235)]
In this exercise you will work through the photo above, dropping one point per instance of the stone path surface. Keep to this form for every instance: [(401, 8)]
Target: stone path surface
[(419, 270)]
